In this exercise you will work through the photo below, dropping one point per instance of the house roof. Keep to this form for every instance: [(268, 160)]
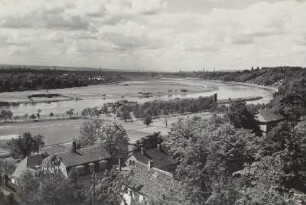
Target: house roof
[(269, 116), (83, 156), (53, 149), (160, 159), (152, 183), (29, 163), (35, 160)]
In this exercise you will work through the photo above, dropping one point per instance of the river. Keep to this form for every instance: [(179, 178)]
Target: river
[(163, 89)]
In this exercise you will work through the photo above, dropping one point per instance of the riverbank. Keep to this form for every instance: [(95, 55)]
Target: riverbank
[(136, 91), (270, 88)]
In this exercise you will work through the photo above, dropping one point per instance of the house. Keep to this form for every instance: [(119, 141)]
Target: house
[(151, 176), (268, 119), (160, 159), (83, 160), (30, 163)]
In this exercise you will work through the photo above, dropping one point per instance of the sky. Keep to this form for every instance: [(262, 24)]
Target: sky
[(160, 35)]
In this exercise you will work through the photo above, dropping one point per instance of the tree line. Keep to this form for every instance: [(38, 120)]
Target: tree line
[(260, 76), (19, 79), (157, 108)]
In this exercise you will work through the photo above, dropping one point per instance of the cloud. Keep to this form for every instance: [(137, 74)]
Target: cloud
[(172, 34)]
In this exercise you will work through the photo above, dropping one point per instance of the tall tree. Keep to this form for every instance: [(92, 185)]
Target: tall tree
[(208, 152), (25, 144), (6, 115), (241, 117), (109, 188), (110, 135), (70, 112), (261, 183), (289, 144), (124, 113), (147, 120), (290, 100)]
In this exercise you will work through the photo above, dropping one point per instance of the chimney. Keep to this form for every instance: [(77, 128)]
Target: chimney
[(74, 147), (119, 164), (215, 97), (150, 164), (142, 150)]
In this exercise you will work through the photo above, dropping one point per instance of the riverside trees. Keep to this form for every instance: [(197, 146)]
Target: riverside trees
[(157, 108), (6, 115)]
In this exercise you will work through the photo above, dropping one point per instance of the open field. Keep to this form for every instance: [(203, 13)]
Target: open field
[(64, 131)]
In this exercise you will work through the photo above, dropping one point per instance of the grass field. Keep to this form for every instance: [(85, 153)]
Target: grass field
[(64, 131)]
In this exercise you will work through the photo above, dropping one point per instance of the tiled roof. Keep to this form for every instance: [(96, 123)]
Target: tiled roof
[(159, 158), (268, 116), (152, 183), (83, 156), (35, 160)]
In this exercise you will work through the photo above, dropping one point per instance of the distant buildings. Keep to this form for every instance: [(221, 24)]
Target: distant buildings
[(268, 119)]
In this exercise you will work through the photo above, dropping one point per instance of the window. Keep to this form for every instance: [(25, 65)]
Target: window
[(131, 162), (136, 196)]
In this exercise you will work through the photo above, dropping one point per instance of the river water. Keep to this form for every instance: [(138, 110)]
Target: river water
[(93, 96)]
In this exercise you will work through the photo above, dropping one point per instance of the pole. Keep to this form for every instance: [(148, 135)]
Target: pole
[(93, 187)]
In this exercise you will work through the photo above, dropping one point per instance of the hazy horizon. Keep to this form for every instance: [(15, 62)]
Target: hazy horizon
[(153, 35)]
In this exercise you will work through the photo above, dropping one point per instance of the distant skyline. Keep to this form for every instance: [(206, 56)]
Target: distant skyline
[(160, 35)]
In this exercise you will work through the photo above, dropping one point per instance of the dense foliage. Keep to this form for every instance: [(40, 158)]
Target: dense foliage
[(17, 79), (241, 116), (50, 188), (187, 105), (261, 76), (290, 100), (25, 144), (54, 188), (6, 115), (223, 165), (112, 136)]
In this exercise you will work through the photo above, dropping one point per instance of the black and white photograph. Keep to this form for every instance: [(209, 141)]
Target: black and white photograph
[(152, 102)]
